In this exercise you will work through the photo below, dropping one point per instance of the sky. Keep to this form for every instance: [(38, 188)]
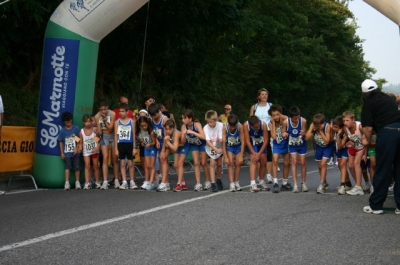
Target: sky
[(381, 41)]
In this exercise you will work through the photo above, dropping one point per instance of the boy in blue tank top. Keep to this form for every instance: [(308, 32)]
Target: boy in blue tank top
[(280, 146), (295, 128), (322, 133), (126, 145), (233, 147), (256, 137)]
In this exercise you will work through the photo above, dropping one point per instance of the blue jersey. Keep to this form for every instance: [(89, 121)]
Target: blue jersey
[(232, 139), (193, 139), (125, 134), (67, 137), (318, 140), (295, 139), (257, 137), (159, 129)]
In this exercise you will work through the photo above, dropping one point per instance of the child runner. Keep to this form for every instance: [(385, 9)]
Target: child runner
[(90, 150), (322, 133), (70, 149), (126, 145), (353, 129), (147, 140), (371, 153), (172, 144), (195, 137), (213, 133), (105, 120), (256, 138), (280, 144), (158, 121), (341, 155), (296, 126), (233, 148)]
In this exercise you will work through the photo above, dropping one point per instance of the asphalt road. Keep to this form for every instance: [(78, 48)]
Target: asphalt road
[(147, 227)]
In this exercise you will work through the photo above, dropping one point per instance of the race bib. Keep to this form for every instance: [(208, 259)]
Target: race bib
[(89, 145), (69, 145), (124, 132)]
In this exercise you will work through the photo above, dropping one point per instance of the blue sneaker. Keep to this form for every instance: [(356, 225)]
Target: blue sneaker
[(219, 184), (214, 187)]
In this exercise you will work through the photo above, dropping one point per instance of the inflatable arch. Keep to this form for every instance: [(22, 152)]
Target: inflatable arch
[(69, 65), (389, 8)]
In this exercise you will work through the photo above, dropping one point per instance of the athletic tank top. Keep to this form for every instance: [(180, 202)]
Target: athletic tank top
[(89, 144), (262, 113), (318, 140), (257, 137), (107, 119), (159, 129), (144, 136), (192, 139), (125, 134), (278, 132), (356, 137), (232, 139), (295, 139)]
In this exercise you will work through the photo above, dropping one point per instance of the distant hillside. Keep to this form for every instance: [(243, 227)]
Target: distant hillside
[(392, 88)]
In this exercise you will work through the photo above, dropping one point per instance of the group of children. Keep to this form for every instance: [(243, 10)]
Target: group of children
[(158, 137)]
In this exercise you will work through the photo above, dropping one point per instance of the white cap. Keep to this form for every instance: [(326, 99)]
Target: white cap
[(143, 110), (368, 85)]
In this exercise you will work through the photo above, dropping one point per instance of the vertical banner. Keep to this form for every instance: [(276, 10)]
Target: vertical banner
[(57, 94)]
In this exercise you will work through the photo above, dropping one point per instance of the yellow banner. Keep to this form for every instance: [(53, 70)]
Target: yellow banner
[(17, 148)]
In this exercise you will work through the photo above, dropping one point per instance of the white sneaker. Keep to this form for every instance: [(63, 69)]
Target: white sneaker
[(367, 187), (330, 163), (397, 211), (133, 185), (367, 209), (355, 191), (279, 169), (198, 187), (67, 186), (254, 188), (123, 186), (320, 189), (263, 186), (104, 186), (237, 186), (2, 192), (162, 187), (77, 185), (341, 190), (232, 187), (97, 185), (304, 187), (391, 187), (295, 188), (207, 185), (116, 184), (87, 186), (269, 178), (144, 185)]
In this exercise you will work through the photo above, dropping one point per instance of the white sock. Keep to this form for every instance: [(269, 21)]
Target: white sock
[(252, 182), (284, 181), (275, 180)]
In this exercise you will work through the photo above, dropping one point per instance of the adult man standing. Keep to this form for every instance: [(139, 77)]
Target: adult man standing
[(224, 117), (1, 125), (380, 113), (123, 100)]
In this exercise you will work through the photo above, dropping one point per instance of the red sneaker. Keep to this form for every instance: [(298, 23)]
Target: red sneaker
[(184, 187), (178, 187)]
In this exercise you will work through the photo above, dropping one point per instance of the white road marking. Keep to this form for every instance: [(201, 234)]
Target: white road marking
[(109, 221)]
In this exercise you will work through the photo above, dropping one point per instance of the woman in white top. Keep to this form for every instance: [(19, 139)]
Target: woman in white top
[(260, 109)]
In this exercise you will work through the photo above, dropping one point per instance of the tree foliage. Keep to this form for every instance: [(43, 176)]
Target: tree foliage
[(203, 54)]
